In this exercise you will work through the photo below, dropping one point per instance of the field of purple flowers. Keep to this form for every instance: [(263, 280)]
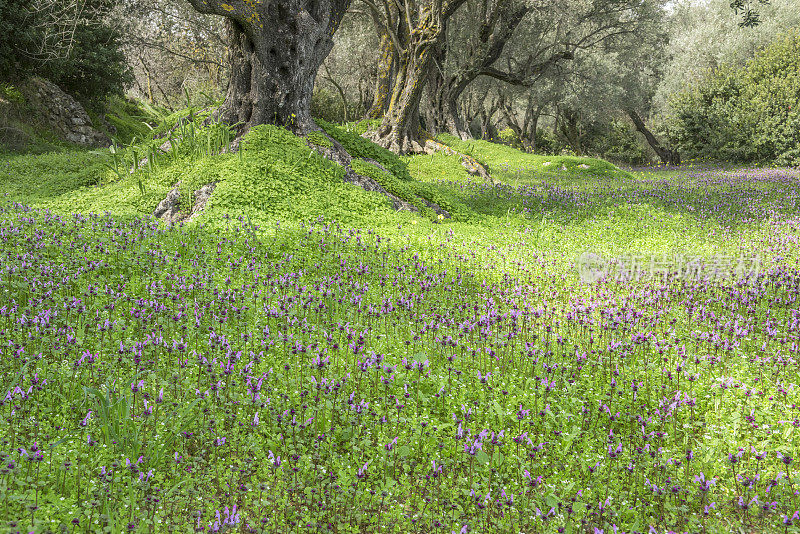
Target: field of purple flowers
[(425, 378)]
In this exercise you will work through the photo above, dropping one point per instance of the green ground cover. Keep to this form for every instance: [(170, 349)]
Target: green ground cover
[(302, 358)]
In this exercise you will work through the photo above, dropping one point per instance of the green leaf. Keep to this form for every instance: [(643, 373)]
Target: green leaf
[(497, 458)]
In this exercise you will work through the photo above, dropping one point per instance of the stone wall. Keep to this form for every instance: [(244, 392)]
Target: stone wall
[(63, 113)]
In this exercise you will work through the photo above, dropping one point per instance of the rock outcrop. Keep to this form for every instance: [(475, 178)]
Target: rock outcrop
[(62, 112), (169, 210)]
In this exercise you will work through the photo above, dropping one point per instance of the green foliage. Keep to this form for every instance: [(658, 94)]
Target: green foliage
[(11, 94), (707, 119), (480, 320), (509, 137), (274, 176), (132, 119), (546, 142), (92, 67), (363, 126), (505, 161), (277, 176), (406, 190), (398, 180), (96, 66), (319, 139), (17, 35), (617, 141), (31, 177), (744, 114), (359, 147)]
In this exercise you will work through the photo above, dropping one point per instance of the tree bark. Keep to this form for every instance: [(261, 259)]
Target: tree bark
[(449, 117), (531, 125), (400, 131), (275, 50), (421, 27), (498, 21), (667, 156), (569, 127), (488, 130), (387, 63)]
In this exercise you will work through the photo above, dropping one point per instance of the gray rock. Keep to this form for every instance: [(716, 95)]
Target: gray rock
[(201, 198), (62, 112), (169, 210)]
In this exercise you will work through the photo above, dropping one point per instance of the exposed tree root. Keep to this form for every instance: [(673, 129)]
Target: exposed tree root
[(337, 153), (169, 209), (470, 164)]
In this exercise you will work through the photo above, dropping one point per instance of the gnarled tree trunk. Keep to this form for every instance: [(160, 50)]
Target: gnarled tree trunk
[(275, 50), (444, 114), (420, 27), (400, 130)]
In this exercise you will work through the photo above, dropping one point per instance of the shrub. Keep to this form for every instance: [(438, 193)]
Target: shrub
[(745, 114), (93, 68), (617, 141), (509, 137)]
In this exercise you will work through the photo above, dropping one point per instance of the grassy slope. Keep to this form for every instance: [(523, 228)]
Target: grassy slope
[(565, 205), (275, 176)]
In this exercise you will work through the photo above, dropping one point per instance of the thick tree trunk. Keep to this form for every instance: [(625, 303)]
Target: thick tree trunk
[(667, 156), (272, 76), (453, 122), (275, 50), (443, 95), (420, 29), (384, 77), (488, 129), (531, 124), (400, 131), (432, 107), (568, 123), (448, 113)]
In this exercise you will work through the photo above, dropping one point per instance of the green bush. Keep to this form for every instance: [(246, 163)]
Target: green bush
[(18, 35), (747, 114), (131, 119), (617, 141), (546, 142), (509, 137), (90, 70)]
